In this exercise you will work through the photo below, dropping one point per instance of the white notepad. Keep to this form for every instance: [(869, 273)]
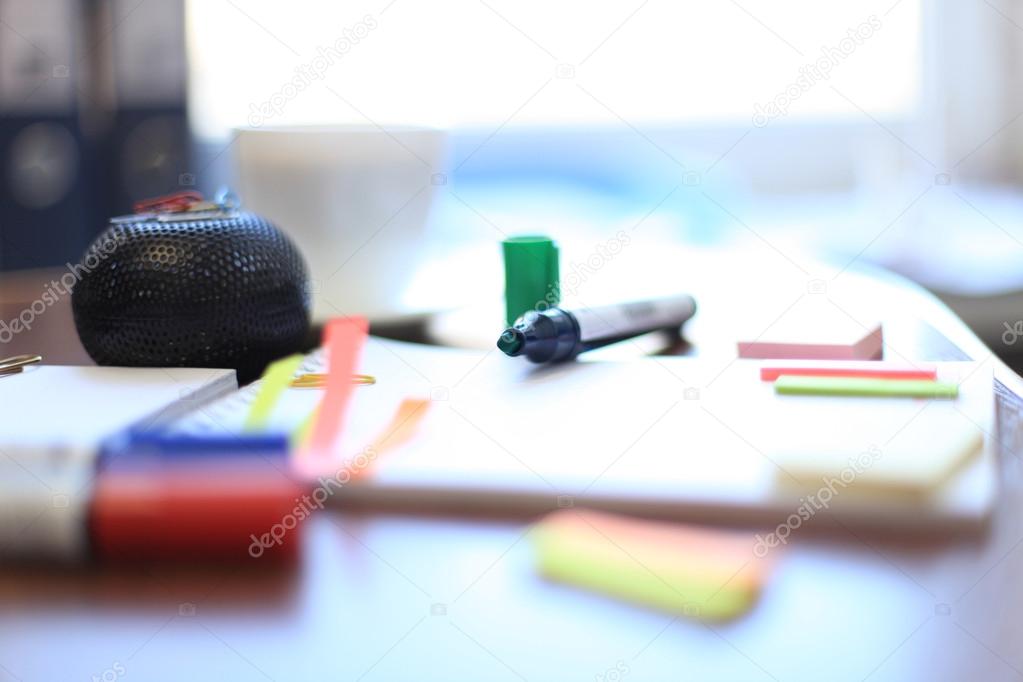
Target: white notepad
[(682, 438)]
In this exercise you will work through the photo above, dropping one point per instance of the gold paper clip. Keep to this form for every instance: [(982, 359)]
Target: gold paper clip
[(14, 364), (316, 380)]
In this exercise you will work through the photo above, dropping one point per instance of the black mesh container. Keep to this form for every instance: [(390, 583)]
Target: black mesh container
[(227, 290)]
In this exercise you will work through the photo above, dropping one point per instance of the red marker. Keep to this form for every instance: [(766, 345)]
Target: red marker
[(189, 516)]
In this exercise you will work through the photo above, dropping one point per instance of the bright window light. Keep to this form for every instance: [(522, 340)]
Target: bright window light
[(487, 63)]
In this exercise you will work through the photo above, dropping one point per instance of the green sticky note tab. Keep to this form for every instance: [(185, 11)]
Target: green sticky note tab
[(531, 275), (275, 381), (849, 386)]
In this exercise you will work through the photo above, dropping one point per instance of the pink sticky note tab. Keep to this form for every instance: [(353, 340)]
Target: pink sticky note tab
[(879, 370), (343, 341)]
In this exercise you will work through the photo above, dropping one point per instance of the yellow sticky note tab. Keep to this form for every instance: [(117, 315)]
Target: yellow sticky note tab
[(300, 435), (706, 574), (274, 383), (865, 386)]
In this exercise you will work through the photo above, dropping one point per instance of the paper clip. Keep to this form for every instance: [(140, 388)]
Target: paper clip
[(16, 363), (317, 380)]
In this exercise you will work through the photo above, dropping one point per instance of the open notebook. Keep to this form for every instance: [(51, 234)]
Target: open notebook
[(671, 437)]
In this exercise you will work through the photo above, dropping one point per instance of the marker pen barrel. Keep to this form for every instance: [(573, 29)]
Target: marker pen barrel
[(167, 498), (45, 492), (557, 334)]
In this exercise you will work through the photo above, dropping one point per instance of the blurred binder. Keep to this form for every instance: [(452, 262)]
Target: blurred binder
[(147, 147), (44, 195)]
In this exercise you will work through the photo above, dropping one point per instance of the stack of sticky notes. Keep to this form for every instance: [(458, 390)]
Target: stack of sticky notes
[(898, 447), (706, 574), (823, 334)]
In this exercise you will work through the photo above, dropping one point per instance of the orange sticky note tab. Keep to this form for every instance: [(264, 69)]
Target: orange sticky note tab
[(401, 427), (398, 431), (343, 341), (708, 574)]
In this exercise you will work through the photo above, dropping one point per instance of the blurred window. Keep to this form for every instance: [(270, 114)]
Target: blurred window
[(491, 63)]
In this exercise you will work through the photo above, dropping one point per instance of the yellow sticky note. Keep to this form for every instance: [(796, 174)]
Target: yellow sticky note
[(273, 384), (910, 452), (706, 574)]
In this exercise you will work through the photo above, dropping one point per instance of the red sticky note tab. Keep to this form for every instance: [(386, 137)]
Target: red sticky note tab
[(881, 371), (343, 341)]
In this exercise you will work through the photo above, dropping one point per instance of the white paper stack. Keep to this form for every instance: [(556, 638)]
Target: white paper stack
[(681, 438)]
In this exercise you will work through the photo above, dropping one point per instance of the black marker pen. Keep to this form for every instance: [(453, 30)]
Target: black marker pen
[(558, 334)]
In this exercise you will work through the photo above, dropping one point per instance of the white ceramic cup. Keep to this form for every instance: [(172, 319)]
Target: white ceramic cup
[(355, 200)]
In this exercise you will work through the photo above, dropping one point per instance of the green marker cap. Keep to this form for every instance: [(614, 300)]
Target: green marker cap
[(531, 276)]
